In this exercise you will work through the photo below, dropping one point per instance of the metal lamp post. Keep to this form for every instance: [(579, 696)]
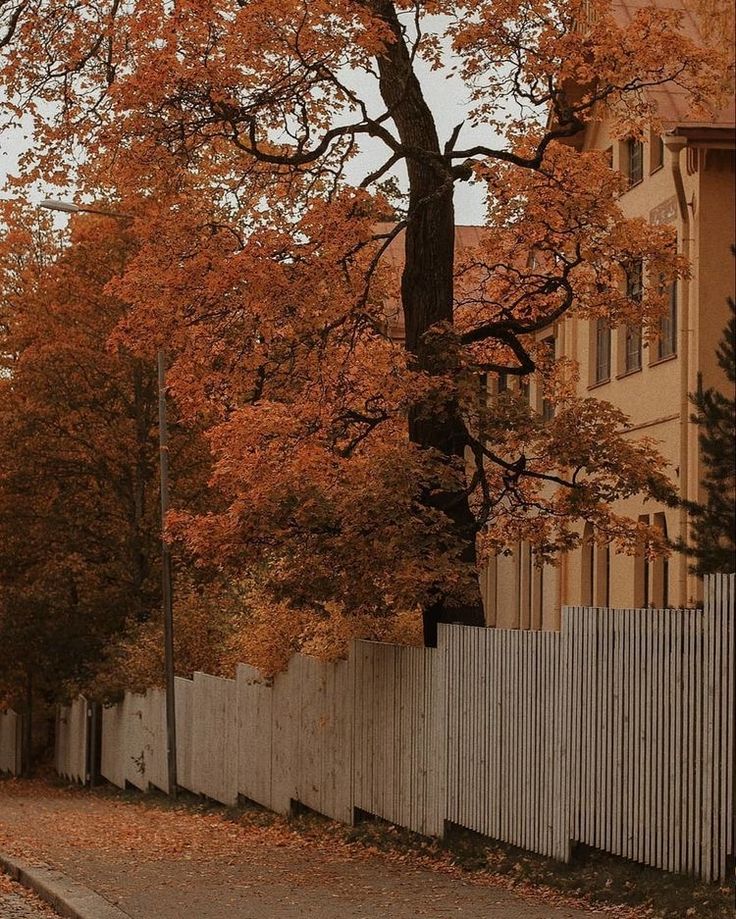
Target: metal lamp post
[(68, 207)]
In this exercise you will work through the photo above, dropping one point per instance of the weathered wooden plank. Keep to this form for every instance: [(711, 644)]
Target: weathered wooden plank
[(112, 757), (659, 722), (691, 729), (254, 735), (675, 752), (135, 741), (729, 740), (10, 742), (155, 739), (184, 705), (215, 747), (708, 730), (496, 792)]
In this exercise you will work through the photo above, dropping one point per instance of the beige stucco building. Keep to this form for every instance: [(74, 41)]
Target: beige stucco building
[(686, 178)]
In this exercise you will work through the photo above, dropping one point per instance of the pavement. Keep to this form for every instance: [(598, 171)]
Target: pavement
[(152, 861), (16, 902)]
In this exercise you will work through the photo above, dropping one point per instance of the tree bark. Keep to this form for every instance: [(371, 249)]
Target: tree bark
[(427, 295)]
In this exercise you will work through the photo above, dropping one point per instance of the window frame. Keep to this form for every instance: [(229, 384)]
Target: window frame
[(656, 144), (667, 331), (632, 348), (547, 409), (633, 332), (601, 333), (634, 161)]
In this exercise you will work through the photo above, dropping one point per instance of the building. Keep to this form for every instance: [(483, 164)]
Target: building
[(684, 177)]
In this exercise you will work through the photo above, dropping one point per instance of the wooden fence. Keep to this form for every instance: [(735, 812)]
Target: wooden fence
[(617, 732), (399, 735), (507, 738), (11, 742), (651, 702), (72, 740)]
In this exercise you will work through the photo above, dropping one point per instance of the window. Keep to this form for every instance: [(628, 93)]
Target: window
[(632, 337), (660, 570), (587, 567), (667, 338), (524, 389), (657, 153), (602, 570), (632, 349), (490, 590), (634, 160), (548, 409), (634, 280), (602, 366), (503, 382), (538, 595), (526, 584), (641, 573)]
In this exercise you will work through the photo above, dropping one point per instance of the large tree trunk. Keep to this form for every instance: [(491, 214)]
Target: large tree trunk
[(427, 294)]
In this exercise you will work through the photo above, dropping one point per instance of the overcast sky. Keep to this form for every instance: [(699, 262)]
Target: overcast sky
[(448, 100)]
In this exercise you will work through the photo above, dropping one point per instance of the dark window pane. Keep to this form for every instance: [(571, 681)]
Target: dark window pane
[(635, 155), (633, 348), (667, 342), (634, 280), (602, 351), (657, 153), (548, 409)]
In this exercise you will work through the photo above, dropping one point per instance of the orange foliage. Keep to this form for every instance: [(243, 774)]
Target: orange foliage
[(79, 519), (219, 626), (354, 475)]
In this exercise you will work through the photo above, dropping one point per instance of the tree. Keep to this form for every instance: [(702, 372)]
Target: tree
[(227, 128), (79, 521), (713, 522)]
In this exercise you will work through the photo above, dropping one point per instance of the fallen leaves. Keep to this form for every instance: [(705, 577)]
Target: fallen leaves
[(101, 826)]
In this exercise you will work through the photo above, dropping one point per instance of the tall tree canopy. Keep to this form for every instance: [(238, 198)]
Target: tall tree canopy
[(356, 469), (79, 519)]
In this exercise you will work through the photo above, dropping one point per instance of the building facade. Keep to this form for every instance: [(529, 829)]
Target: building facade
[(684, 177)]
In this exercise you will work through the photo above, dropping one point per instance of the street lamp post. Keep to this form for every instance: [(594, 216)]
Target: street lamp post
[(163, 445), (68, 207)]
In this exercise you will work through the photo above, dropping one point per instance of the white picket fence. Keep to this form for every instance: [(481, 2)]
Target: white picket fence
[(11, 742), (617, 732)]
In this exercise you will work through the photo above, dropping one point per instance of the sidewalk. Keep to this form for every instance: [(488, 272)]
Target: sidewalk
[(154, 862), (18, 903)]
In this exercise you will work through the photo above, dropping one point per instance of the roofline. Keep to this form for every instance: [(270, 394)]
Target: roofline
[(721, 135)]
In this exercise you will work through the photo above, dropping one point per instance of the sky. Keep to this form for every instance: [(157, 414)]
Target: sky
[(447, 98)]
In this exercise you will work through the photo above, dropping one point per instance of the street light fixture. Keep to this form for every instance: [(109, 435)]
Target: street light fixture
[(68, 207)]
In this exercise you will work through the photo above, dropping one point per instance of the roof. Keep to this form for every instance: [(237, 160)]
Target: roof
[(466, 237), (672, 101)]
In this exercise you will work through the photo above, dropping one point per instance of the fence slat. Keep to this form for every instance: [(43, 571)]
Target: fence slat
[(11, 732)]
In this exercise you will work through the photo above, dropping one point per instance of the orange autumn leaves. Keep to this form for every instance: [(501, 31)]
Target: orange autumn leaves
[(225, 130), (79, 527)]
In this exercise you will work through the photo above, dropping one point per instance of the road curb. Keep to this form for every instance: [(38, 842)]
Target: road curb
[(69, 898)]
